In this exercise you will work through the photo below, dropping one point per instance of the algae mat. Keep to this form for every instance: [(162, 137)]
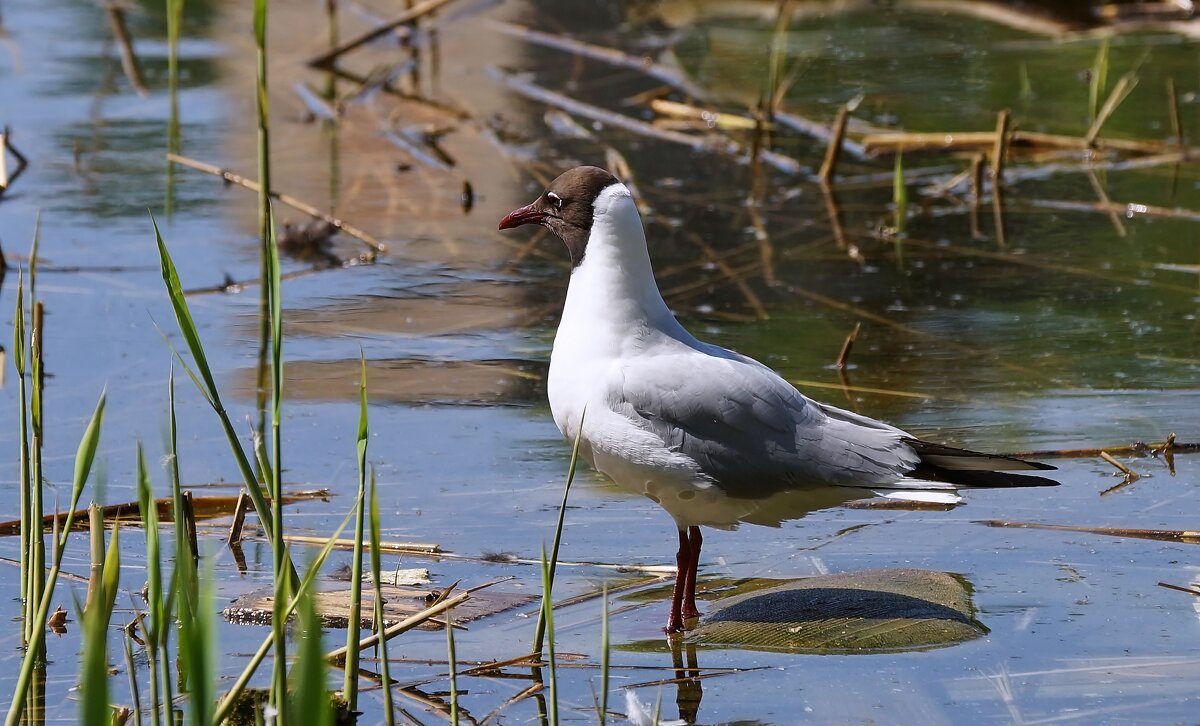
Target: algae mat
[(857, 612)]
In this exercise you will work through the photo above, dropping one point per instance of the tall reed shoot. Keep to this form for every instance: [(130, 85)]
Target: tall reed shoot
[(350, 683)]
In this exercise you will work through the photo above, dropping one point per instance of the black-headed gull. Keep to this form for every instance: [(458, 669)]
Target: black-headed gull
[(712, 436)]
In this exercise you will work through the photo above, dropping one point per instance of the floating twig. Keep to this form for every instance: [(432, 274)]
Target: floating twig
[(1128, 209), (327, 58), (289, 200), (1180, 588), (834, 149), (711, 119), (579, 108), (888, 143), (671, 76), (1185, 536), (389, 547), (1134, 448)]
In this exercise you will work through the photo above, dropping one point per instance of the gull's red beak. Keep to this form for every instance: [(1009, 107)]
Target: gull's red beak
[(524, 215)]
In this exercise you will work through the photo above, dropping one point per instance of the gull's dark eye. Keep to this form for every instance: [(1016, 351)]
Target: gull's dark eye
[(557, 200)]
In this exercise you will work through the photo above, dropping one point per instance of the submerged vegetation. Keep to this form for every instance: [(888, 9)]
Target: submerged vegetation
[(791, 145)]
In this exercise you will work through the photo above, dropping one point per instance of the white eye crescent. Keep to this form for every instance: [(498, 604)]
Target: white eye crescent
[(558, 202)]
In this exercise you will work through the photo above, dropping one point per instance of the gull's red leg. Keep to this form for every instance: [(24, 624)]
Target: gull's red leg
[(683, 560), (695, 541)]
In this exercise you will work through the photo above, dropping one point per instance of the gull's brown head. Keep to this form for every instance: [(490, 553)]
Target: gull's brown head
[(566, 208)]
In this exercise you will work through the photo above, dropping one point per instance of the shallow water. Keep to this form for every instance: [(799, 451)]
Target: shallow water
[(1069, 335)]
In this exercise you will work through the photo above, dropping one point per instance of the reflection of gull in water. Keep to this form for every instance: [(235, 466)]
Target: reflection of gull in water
[(712, 436)]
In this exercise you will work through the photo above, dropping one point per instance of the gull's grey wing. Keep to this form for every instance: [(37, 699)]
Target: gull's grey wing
[(752, 432)]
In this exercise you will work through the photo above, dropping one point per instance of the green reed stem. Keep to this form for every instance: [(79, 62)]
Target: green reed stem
[(84, 457), (230, 698), (540, 632), (547, 617), (389, 717), (353, 633), (37, 545), (24, 483), (157, 623)]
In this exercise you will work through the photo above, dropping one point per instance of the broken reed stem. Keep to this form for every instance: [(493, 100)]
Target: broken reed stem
[(189, 524), (847, 345), (96, 542), (834, 149), (327, 58), (1173, 112), (239, 519), (1115, 97), (290, 201), (1000, 146)]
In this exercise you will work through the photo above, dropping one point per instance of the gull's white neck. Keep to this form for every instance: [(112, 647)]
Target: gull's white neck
[(612, 300)]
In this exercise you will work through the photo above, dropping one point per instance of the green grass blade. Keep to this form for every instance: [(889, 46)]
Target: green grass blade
[(353, 632), (899, 194), (198, 632), (310, 695), (310, 576), (85, 455), (385, 677), (275, 472), (605, 649), (548, 619), (188, 329), (94, 707), (26, 496), (452, 659), (540, 632), (156, 625)]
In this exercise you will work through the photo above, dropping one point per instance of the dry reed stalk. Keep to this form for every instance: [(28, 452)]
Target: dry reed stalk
[(711, 119), (405, 18), (644, 64), (1170, 535), (1118, 94), (239, 519), (386, 546), (1173, 113), (290, 201), (1129, 473), (834, 149), (1000, 146), (751, 298), (719, 145), (129, 60)]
